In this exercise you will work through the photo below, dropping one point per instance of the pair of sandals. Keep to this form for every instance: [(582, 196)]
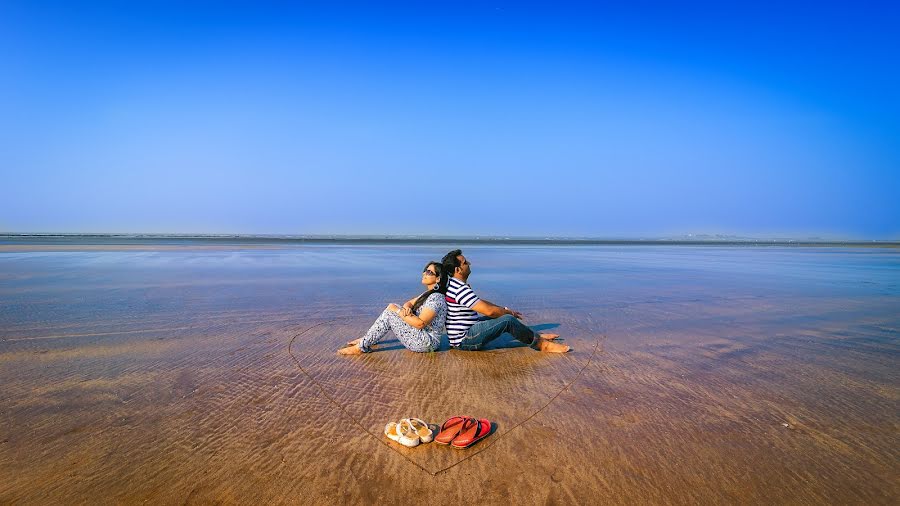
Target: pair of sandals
[(410, 432), (463, 431)]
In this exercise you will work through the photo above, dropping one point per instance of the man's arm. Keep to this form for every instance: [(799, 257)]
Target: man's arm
[(492, 310)]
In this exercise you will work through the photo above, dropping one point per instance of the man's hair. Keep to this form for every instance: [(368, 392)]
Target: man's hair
[(451, 262)]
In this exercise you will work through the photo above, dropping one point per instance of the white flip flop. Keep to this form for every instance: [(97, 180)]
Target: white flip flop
[(390, 430), (423, 430), (408, 435)]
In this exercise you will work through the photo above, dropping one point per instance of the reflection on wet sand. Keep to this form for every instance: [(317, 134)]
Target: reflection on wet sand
[(510, 385), (706, 388)]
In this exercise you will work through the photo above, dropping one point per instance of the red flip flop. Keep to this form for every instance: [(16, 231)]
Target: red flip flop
[(450, 429), (475, 431)]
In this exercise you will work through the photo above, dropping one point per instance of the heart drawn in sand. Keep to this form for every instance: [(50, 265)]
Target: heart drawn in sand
[(508, 383)]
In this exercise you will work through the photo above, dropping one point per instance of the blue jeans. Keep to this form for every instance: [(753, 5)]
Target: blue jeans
[(486, 331)]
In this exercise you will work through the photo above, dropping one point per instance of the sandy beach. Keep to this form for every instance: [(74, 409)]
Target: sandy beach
[(699, 375)]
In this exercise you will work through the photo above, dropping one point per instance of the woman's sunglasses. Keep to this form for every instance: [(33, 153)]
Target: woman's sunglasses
[(429, 272)]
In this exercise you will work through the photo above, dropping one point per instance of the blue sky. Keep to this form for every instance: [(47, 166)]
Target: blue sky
[(455, 118)]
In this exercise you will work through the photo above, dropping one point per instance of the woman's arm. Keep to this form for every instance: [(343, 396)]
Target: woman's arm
[(410, 302), (419, 322), (407, 306)]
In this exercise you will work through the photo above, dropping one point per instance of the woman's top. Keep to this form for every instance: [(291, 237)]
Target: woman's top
[(436, 303)]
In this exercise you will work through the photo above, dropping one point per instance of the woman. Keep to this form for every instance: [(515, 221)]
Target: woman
[(418, 324)]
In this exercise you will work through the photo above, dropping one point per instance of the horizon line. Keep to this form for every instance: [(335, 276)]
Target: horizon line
[(685, 239)]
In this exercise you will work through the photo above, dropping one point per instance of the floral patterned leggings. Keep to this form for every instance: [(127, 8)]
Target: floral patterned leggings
[(418, 340)]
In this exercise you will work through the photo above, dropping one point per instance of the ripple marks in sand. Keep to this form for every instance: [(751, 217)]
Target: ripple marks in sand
[(360, 394)]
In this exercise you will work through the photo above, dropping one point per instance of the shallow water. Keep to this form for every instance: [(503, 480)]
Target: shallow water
[(713, 374)]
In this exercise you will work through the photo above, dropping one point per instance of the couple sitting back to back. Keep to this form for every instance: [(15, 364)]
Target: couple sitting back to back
[(471, 322)]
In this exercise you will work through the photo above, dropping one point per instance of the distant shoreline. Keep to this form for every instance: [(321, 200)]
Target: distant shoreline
[(138, 240)]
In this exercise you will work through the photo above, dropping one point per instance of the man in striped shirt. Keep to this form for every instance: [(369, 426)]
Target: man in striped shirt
[(473, 322)]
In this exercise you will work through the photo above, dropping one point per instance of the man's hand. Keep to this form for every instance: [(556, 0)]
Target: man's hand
[(492, 310)]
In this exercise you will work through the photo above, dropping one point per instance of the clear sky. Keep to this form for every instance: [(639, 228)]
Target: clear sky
[(451, 118)]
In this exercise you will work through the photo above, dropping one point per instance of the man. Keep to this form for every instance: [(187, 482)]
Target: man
[(469, 331)]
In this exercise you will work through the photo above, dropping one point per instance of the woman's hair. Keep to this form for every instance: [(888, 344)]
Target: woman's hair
[(441, 288)]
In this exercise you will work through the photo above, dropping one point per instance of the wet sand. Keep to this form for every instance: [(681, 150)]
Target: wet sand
[(164, 377)]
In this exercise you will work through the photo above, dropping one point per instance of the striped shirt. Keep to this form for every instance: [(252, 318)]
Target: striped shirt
[(460, 299)]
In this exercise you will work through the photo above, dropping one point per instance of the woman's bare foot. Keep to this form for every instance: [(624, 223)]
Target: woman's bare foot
[(350, 350), (354, 342), (549, 337), (551, 347)]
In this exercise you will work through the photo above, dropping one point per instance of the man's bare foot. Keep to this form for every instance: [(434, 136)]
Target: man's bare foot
[(350, 350), (551, 347), (549, 337)]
